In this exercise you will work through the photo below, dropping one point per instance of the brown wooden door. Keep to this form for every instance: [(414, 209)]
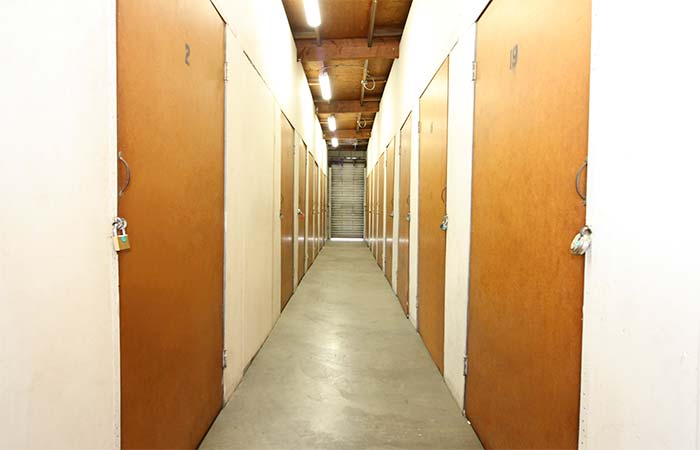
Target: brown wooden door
[(301, 213), (171, 132), (317, 234), (368, 192), (388, 266), (368, 209), (404, 214), (325, 209), (375, 217), (370, 177), (367, 189), (526, 290), (374, 210), (432, 197), (313, 167), (287, 211), (380, 212)]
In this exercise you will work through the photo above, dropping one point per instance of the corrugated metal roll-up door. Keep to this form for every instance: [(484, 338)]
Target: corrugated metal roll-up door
[(347, 201)]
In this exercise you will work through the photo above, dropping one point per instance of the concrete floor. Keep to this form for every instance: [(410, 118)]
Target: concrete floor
[(342, 369)]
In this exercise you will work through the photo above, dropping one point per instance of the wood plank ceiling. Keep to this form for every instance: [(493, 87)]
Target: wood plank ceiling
[(357, 43)]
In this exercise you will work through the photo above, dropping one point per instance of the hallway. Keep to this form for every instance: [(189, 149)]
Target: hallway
[(349, 224), (343, 368)]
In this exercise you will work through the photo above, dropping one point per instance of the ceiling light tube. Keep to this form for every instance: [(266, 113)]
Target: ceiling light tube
[(313, 13), (325, 83), (332, 125), (334, 142)]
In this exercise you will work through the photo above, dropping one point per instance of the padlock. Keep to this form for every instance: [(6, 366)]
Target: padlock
[(443, 225), (581, 242), (120, 241)]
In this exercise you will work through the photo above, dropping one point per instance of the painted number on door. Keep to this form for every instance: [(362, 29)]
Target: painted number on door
[(513, 57)]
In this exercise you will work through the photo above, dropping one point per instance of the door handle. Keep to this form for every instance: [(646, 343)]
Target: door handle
[(408, 217), (579, 172), (391, 214), (128, 174), (300, 213)]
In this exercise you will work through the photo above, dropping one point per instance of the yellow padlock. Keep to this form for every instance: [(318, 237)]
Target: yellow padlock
[(120, 241)]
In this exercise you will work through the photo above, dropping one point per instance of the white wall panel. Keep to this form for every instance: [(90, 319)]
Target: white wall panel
[(59, 351), (397, 218), (641, 328), (250, 206), (413, 230), (459, 198)]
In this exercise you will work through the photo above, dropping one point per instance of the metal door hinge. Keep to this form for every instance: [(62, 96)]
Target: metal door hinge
[(224, 362), (466, 360), (473, 70), (419, 126), (226, 71)]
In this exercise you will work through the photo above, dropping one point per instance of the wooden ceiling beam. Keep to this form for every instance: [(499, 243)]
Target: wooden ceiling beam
[(347, 106), (391, 32), (378, 80), (347, 134), (307, 50)]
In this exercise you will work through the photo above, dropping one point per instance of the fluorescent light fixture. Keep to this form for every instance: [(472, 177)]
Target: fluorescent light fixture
[(332, 125), (325, 83), (334, 142), (313, 13)]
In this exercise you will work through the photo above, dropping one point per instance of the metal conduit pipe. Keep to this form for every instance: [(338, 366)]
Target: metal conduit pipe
[(372, 17)]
